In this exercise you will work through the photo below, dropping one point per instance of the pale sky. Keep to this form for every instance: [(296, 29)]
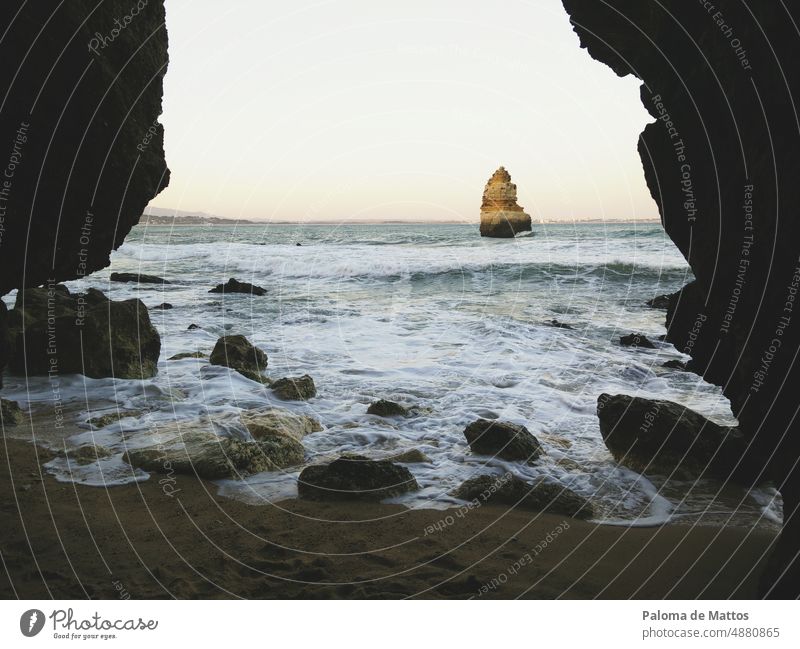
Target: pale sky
[(392, 109)]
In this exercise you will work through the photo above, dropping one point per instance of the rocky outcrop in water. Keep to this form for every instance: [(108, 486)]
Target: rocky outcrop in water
[(386, 408), (721, 159), (53, 331), (662, 437), (82, 148), (295, 388), (503, 439), (241, 355), (233, 285), (137, 278), (501, 217)]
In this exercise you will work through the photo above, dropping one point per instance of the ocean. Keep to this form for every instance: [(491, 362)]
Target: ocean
[(429, 315)]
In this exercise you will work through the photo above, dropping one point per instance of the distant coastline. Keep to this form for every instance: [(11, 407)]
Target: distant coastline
[(208, 220)]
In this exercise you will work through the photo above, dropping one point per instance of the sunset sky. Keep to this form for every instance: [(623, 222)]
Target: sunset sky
[(356, 109)]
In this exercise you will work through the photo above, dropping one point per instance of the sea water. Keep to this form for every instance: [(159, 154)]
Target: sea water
[(430, 315)]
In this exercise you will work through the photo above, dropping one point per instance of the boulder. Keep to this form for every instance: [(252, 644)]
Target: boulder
[(501, 216), (83, 455), (239, 354), (193, 327), (235, 286), (295, 388), (212, 457), (660, 302), (277, 421), (654, 436), (384, 408), (102, 421), (164, 306), (137, 278), (411, 456), (636, 340), (503, 439), (182, 355), (84, 334), (10, 413), (353, 477), (675, 364), (540, 496)]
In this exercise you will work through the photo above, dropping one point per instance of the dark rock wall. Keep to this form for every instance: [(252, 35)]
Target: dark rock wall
[(722, 160), (81, 149)]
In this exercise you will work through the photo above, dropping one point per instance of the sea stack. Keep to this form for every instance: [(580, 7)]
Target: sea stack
[(501, 217)]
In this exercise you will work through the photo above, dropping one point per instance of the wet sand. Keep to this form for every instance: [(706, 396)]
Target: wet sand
[(67, 541)]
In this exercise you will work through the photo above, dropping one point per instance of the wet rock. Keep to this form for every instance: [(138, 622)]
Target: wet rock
[(501, 216), (137, 278), (83, 455), (654, 436), (112, 418), (296, 388), (212, 457), (503, 439), (89, 335), (558, 325), (239, 354), (636, 340), (10, 413), (354, 477), (675, 364), (412, 456), (384, 408), (193, 327), (182, 355), (277, 421), (164, 306), (235, 286), (540, 496), (659, 302)]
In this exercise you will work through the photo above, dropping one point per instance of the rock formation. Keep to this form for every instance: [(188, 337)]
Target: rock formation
[(501, 217), (503, 439), (353, 477), (82, 148), (54, 331), (721, 159)]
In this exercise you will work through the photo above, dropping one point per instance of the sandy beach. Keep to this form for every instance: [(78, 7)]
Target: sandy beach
[(136, 541)]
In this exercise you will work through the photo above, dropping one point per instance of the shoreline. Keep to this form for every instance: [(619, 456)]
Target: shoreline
[(139, 540)]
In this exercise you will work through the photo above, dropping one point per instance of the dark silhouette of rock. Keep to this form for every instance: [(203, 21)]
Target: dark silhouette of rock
[(729, 198), (353, 477), (503, 439), (193, 327), (384, 408), (659, 302), (675, 364), (165, 306), (558, 325), (662, 437), (80, 135), (501, 216), (239, 354), (539, 497), (235, 286), (137, 278), (636, 340), (295, 388), (87, 334)]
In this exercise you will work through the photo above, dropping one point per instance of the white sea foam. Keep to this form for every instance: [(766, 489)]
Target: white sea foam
[(428, 315)]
